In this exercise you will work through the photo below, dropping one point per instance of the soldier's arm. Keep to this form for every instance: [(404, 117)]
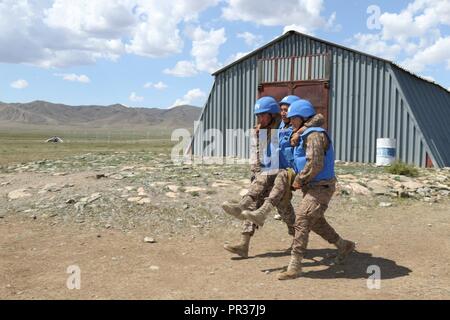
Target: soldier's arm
[(317, 121), (316, 145), (255, 163)]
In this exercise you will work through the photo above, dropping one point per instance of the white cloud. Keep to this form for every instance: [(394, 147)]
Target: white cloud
[(298, 28), (236, 56), (373, 44), (306, 14), (157, 34), (74, 77), (399, 26), (182, 69), (416, 20), (252, 40), (158, 86), (205, 49), (19, 84), (331, 24), (135, 98), (47, 34), (101, 18), (438, 53), (63, 33), (413, 35), (193, 96)]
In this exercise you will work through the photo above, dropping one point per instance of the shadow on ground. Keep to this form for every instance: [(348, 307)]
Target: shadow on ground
[(355, 267)]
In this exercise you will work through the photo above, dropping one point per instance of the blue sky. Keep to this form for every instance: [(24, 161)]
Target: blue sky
[(148, 53)]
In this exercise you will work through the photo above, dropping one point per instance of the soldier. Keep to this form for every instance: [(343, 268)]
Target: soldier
[(267, 182), (284, 132), (270, 188), (282, 184), (314, 165)]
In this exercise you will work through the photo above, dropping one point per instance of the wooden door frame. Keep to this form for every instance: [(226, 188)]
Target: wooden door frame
[(291, 85)]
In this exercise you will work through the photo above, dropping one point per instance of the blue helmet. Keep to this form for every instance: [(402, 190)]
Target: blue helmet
[(301, 108), (266, 105), (289, 100)]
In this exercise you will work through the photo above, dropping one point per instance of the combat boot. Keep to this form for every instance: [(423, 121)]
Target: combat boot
[(240, 249), (294, 269), (235, 209), (344, 247), (259, 216)]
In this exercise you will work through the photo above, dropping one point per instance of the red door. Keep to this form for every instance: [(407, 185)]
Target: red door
[(314, 91), (428, 161)]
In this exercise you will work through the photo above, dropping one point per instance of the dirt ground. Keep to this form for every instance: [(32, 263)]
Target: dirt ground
[(410, 244)]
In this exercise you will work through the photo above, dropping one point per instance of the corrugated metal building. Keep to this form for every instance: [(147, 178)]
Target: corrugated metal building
[(362, 97)]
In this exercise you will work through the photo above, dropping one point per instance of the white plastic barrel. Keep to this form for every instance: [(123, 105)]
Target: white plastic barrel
[(385, 151)]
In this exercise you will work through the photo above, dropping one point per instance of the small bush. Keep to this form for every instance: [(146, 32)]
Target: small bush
[(403, 169)]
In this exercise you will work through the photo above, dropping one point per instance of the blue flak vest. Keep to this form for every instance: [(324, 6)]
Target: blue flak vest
[(286, 151), (270, 149), (327, 172)]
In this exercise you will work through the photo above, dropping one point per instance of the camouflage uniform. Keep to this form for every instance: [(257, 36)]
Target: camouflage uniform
[(311, 212), (275, 187), (316, 196)]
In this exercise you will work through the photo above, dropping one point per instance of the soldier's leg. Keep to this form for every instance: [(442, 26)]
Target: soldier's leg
[(241, 249), (261, 185), (279, 189), (273, 199), (302, 225), (248, 201), (320, 225), (302, 228), (322, 196), (323, 229), (287, 214), (345, 247), (286, 211), (248, 230)]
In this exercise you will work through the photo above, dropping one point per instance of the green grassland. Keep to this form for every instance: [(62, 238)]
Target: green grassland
[(25, 146)]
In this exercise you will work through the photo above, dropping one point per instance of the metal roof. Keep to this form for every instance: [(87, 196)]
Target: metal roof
[(430, 104), (286, 35), (293, 32)]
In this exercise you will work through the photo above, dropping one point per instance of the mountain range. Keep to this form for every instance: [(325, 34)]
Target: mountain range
[(44, 114)]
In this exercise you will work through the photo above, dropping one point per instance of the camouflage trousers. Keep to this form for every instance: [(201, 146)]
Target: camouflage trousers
[(310, 216), (276, 189)]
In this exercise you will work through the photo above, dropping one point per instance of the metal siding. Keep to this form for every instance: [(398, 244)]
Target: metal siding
[(362, 111), (337, 104), (430, 108), (357, 107), (372, 111), (348, 105), (367, 100), (279, 70)]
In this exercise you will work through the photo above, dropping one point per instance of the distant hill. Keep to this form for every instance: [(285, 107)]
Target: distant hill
[(44, 114)]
